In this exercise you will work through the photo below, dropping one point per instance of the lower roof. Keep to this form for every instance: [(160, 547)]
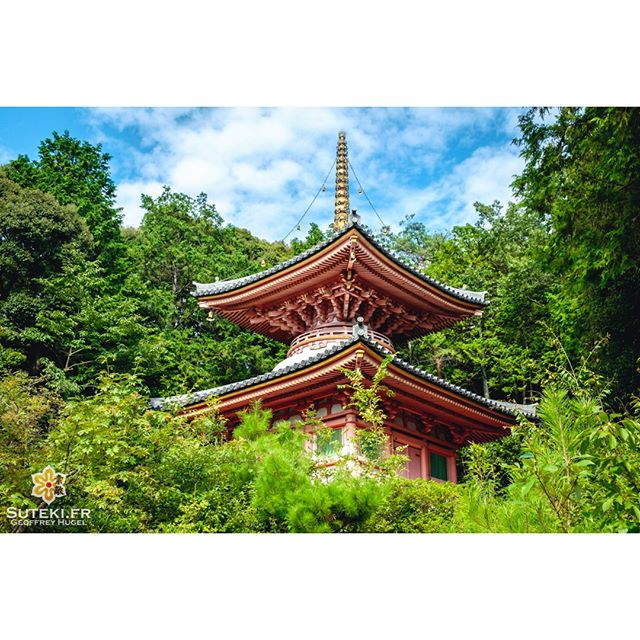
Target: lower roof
[(185, 400)]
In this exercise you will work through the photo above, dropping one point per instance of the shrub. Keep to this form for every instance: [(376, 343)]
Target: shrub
[(415, 506)]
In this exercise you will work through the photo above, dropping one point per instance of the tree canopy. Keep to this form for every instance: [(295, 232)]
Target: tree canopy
[(582, 178), (77, 173)]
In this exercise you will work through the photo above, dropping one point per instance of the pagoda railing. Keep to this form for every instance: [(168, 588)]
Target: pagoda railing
[(320, 337)]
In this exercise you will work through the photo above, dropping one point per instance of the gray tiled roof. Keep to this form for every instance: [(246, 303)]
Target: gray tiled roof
[(527, 409), (476, 297), (199, 396)]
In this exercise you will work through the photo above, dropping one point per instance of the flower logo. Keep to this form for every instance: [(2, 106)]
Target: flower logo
[(48, 485)]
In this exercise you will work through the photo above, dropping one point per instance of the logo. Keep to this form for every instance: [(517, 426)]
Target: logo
[(48, 485)]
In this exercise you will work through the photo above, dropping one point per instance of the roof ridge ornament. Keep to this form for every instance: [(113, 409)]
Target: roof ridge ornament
[(359, 328), (341, 211)]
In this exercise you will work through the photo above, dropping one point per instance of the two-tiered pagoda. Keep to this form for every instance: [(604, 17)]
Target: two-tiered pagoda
[(348, 303)]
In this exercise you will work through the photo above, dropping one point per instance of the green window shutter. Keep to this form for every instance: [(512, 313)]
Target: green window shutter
[(330, 445), (438, 466)]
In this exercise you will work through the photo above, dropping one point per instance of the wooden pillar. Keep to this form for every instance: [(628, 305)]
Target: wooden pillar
[(452, 474), (349, 433)]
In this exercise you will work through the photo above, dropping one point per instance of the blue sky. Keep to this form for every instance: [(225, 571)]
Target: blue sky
[(262, 167)]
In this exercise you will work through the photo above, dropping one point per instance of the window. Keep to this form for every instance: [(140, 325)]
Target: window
[(438, 466), (329, 443)]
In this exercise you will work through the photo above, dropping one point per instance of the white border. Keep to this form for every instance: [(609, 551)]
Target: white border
[(321, 586)]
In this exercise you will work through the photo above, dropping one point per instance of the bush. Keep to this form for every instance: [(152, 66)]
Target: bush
[(415, 506)]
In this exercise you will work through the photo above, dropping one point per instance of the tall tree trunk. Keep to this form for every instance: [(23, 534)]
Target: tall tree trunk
[(485, 383)]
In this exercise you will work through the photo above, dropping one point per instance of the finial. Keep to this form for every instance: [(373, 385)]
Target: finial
[(341, 213)]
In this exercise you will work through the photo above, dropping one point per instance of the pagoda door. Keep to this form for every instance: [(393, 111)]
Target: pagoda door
[(414, 465)]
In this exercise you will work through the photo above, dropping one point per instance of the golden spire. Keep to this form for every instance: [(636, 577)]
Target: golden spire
[(341, 214)]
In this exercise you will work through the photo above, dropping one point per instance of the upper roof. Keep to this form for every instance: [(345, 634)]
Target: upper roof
[(346, 276), (224, 286), (188, 399)]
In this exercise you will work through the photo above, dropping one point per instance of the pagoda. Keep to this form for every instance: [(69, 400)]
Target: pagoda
[(349, 303)]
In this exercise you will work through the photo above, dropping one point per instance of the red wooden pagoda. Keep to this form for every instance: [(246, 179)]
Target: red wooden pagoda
[(347, 303)]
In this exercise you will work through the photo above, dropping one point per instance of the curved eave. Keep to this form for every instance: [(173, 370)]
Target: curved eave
[(198, 397), (202, 397), (211, 290)]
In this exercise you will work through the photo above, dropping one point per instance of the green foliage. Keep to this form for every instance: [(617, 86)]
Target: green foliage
[(35, 231), (614, 503), (182, 239), (26, 408), (415, 506), (366, 396), (60, 310), (492, 461), (343, 505), (581, 174), (578, 471), (289, 494), (315, 236), (77, 173), (500, 354), (114, 449), (37, 235), (142, 470), (81, 328), (372, 444), (554, 462), (132, 467), (178, 239)]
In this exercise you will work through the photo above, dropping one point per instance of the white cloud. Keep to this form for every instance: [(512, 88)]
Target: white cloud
[(261, 167), (485, 176), (129, 197)]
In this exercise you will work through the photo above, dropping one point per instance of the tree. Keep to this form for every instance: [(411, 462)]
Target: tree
[(415, 506), (84, 329), (577, 470), (581, 175), (141, 470), (36, 233), (35, 229), (314, 236), (179, 237), (182, 239), (501, 354), (373, 456), (132, 467), (26, 411), (77, 172)]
